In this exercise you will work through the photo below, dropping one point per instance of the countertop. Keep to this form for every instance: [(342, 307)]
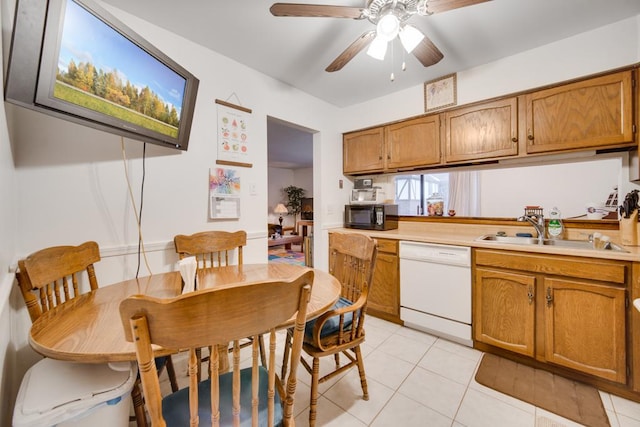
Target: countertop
[(466, 235)]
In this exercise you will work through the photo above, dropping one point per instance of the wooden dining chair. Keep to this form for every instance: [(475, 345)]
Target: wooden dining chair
[(211, 317), (211, 248), (352, 259), (54, 275), (214, 249)]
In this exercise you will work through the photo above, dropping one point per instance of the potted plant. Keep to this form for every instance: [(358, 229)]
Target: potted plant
[(294, 202)]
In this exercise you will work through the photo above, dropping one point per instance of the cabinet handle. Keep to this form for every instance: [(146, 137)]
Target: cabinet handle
[(514, 139), (530, 137), (530, 295), (549, 297)]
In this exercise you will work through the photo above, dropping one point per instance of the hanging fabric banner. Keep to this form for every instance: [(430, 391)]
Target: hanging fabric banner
[(234, 135)]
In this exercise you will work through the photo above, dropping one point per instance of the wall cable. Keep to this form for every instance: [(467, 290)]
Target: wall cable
[(141, 249)]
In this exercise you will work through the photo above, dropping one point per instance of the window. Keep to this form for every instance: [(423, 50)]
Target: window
[(412, 191)]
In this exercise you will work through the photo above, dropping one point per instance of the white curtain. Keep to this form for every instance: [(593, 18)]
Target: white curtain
[(464, 193)]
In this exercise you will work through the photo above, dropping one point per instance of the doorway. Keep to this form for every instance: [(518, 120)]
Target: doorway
[(290, 162)]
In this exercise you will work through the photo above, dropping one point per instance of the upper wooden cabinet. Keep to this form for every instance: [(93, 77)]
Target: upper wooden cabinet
[(413, 143), (363, 151), (482, 131), (407, 144), (595, 113), (592, 113)]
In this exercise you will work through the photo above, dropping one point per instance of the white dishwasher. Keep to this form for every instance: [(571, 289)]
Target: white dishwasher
[(435, 289)]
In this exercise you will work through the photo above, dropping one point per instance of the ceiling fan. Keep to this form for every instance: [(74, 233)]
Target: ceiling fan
[(390, 18)]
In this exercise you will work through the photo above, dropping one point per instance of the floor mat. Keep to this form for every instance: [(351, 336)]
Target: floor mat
[(569, 399), (285, 256)]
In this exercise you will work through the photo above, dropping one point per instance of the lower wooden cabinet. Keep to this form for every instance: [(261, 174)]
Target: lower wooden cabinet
[(504, 311), (561, 310), (384, 296)]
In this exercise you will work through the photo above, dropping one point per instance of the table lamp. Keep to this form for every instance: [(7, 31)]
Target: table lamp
[(280, 209)]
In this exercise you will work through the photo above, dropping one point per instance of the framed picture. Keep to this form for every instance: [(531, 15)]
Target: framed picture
[(440, 93)]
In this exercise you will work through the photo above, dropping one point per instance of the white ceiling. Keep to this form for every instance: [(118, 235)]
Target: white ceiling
[(296, 50)]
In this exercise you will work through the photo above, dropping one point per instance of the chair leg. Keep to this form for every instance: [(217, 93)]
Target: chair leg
[(171, 373), (138, 405), (314, 392), (363, 377)]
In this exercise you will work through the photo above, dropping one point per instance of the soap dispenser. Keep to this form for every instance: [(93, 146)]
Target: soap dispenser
[(555, 227)]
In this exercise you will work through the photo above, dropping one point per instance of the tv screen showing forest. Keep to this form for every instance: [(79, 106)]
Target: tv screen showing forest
[(100, 69)]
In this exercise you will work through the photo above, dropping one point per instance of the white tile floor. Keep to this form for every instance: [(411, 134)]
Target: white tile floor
[(416, 379)]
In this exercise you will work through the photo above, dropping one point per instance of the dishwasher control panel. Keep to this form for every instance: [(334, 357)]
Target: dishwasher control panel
[(431, 252)]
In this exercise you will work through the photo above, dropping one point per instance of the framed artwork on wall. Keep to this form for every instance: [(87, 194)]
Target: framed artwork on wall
[(440, 93)]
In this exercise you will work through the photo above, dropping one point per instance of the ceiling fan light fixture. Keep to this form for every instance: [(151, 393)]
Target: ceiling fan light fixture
[(388, 27), (378, 48), (410, 37)]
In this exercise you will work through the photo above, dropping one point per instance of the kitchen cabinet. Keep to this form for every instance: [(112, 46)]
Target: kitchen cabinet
[(593, 113), (363, 151), (488, 130), (413, 143), (504, 312), (384, 295), (560, 310), (408, 144)]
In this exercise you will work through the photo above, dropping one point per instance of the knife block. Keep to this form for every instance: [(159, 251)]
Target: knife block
[(629, 230)]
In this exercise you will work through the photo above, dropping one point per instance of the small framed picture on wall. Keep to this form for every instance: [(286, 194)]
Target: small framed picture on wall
[(440, 93)]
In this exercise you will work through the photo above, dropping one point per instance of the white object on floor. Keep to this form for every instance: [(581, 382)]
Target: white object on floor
[(68, 394)]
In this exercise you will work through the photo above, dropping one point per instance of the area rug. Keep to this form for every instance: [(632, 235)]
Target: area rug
[(285, 256), (570, 399)]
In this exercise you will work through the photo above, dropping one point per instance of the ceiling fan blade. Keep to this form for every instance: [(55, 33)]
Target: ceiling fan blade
[(437, 6), (315, 10), (348, 54), (427, 52)]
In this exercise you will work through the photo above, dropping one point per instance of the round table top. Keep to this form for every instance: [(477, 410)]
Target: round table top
[(88, 328)]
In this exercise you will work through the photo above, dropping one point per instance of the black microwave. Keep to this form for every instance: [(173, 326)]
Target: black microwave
[(371, 217)]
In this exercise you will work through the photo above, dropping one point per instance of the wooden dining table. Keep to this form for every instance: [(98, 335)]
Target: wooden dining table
[(88, 328)]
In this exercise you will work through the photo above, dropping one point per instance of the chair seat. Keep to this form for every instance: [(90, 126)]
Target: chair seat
[(332, 325), (175, 407)]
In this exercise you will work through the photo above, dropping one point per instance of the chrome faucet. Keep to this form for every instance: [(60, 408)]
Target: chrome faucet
[(538, 223)]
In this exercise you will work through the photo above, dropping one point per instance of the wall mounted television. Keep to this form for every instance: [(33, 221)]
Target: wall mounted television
[(74, 60)]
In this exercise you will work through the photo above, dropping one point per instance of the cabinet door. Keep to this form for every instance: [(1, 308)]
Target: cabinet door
[(482, 131), (504, 310), (363, 151), (413, 143), (592, 113), (585, 327), (384, 296)]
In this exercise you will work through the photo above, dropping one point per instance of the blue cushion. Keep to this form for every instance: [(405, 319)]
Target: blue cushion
[(175, 407), (161, 362), (333, 323)]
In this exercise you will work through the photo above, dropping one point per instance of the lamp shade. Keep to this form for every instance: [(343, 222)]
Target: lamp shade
[(280, 209), (377, 48), (410, 37)]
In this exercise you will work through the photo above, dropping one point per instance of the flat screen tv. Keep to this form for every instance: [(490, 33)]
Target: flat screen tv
[(74, 60)]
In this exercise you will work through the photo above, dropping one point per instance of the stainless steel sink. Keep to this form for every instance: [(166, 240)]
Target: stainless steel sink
[(575, 244)]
